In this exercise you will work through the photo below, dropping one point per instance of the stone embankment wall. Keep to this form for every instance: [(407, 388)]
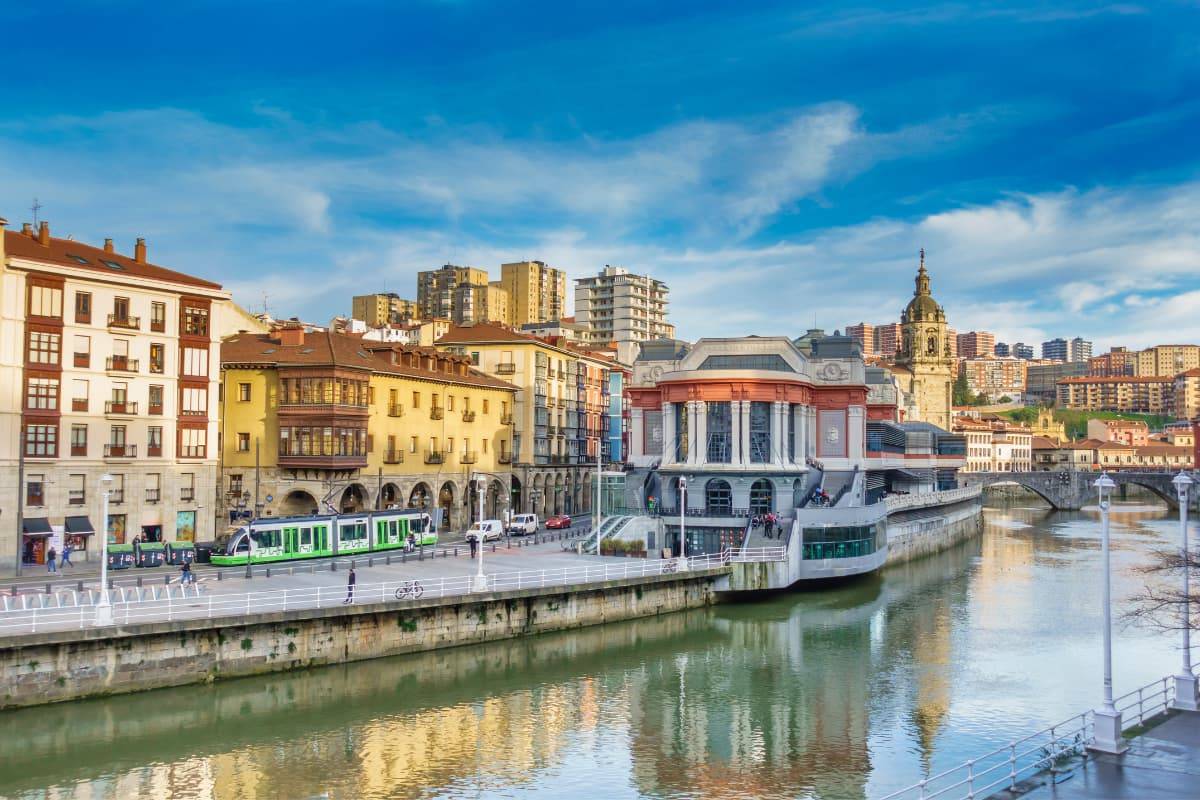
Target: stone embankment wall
[(51, 667), (914, 538)]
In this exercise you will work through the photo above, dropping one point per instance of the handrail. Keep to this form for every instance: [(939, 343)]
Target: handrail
[(905, 501)]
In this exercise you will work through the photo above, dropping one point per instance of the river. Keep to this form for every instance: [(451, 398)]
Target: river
[(845, 692)]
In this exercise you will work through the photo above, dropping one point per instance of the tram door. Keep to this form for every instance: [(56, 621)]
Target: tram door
[(290, 545)]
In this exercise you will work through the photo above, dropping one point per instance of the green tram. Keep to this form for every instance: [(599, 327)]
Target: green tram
[(266, 540)]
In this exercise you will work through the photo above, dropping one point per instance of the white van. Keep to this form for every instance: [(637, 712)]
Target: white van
[(521, 524), (490, 529)]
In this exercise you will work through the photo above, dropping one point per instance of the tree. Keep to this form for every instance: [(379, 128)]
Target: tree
[(962, 394), (1005, 399), (1160, 603)]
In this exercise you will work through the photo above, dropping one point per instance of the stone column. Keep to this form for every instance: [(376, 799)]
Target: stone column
[(637, 432), (701, 432), (776, 433), (744, 433), (668, 433)]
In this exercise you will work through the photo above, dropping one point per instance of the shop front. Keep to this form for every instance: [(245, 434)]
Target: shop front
[(77, 534), (35, 538)]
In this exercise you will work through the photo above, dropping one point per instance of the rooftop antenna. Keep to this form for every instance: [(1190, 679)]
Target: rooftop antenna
[(35, 208)]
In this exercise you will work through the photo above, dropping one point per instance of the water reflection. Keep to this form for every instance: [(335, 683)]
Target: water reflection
[(838, 693)]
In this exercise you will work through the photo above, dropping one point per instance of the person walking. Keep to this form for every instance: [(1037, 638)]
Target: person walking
[(474, 545), (66, 557), (350, 581), (51, 559), (186, 575)]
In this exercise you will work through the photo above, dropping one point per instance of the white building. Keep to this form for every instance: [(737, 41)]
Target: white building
[(618, 306), (109, 365)]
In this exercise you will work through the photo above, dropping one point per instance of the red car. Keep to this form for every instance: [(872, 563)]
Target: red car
[(559, 521)]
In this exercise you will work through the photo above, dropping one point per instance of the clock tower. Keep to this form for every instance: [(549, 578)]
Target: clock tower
[(927, 370)]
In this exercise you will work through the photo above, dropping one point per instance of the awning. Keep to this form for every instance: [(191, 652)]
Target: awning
[(38, 526), (79, 526)]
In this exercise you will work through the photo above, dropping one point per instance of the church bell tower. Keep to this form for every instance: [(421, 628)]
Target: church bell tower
[(925, 353)]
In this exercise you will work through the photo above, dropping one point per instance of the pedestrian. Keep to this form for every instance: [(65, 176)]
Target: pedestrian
[(185, 574), (51, 559), (350, 586), (474, 545), (66, 557)]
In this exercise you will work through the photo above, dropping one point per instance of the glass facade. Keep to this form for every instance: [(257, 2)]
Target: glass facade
[(760, 433), (843, 541), (720, 434), (762, 497), (718, 497), (771, 362)]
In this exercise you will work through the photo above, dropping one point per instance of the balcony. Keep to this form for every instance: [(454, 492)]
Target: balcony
[(434, 457), (467, 457), (437, 412), (83, 360), (120, 451), (158, 326), (153, 495), (393, 456), (468, 416), (504, 458), (506, 419), (76, 497), (154, 451), (506, 369), (552, 430), (79, 404), (116, 408), (396, 410), (121, 364), (156, 409), (318, 461), (124, 321), (116, 496), (187, 494)]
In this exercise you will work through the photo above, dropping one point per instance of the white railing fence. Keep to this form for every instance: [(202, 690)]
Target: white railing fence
[(752, 555), (1059, 748), (157, 604), (900, 502)]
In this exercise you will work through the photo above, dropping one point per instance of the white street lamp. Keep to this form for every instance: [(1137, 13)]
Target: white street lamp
[(104, 615), (480, 579), (1185, 681), (682, 507), (1107, 719)]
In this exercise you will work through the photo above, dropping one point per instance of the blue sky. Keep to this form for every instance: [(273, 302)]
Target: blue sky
[(776, 163)]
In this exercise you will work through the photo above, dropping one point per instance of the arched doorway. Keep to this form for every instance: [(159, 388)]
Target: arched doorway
[(494, 502), (569, 494), (762, 497), (389, 496), (298, 503), (558, 494), (446, 503), (797, 493), (471, 499), (354, 499), (537, 490), (718, 498), (421, 497), (515, 501)]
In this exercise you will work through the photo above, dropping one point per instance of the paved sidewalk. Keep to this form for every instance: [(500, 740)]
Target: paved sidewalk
[(1161, 764)]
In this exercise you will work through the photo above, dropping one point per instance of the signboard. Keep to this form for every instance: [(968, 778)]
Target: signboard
[(185, 526)]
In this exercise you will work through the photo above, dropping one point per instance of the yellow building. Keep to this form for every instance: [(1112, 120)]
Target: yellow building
[(560, 416), (1167, 360), (331, 422), (378, 310), (536, 292), (924, 368), (1048, 427), (1186, 395), (1140, 395)]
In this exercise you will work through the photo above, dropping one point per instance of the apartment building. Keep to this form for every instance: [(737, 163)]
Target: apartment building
[(328, 422), (460, 294), (108, 364), (995, 377), (1023, 351), (1136, 394), (888, 339), (561, 414), (1133, 432), (1118, 362), (377, 310), (976, 344), (536, 292), (995, 446), (1167, 360), (1185, 394), (1041, 380), (1073, 350), (620, 307)]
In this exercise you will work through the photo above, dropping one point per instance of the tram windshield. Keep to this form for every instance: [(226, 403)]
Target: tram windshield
[(223, 539)]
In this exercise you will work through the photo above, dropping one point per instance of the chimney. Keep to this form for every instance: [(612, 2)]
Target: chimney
[(139, 251), (44, 234), (27, 229), (108, 246), (291, 336)]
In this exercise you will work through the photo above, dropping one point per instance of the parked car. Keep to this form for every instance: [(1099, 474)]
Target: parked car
[(559, 521), (488, 530), (521, 524)]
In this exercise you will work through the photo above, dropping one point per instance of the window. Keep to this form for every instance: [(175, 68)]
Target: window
[(195, 401), (120, 348), (76, 492), (187, 487), (760, 432), (116, 437), (485, 405), (416, 399), (475, 358), (195, 321), (45, 301), (153, 487), (44, 347), (449, 402), (154, 440), (41, 441), (195, 361), (83, 307), (243, 442), (412, 445), (157, 357), (35, 487), (718, 498), (244, 392), (235, 484), (41, 394), (156, 399), (720, 433), (79, 395), (120, 309), (195, 442), (117, 493), (158, 317), (83, 350), (79, 444)]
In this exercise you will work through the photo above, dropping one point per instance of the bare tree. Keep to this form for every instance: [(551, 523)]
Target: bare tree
[(1161, 602)]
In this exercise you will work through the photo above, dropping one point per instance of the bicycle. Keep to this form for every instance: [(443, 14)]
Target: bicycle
[(410, 590), (670, 566)]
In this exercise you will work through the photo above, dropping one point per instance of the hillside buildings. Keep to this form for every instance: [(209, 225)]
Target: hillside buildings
[(1185, 395), (1138, 395), (622, 308), (109, 365), (461, 294), (976, 344), (995, 445), (1116, 363), (995, 377), (1167, 360)]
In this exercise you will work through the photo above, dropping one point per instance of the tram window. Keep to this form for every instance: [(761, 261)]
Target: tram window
[(305, 537), (243, 545)]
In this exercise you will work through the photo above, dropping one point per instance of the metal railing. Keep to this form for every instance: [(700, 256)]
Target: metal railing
[(1059, 748), (120, 364), (71, 609), (752, 555), (396, 410), (124, 321), (437, 412), (901, 502)]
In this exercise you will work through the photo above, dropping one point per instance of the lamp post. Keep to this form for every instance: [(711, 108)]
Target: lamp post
[(1185, 681), (480, 579), (682, 506), (104, 615), (1107, 719)]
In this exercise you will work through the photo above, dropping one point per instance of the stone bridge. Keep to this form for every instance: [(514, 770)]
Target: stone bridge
[(1074, 490)]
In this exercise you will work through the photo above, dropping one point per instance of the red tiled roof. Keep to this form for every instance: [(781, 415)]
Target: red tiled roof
[(59, 251)]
